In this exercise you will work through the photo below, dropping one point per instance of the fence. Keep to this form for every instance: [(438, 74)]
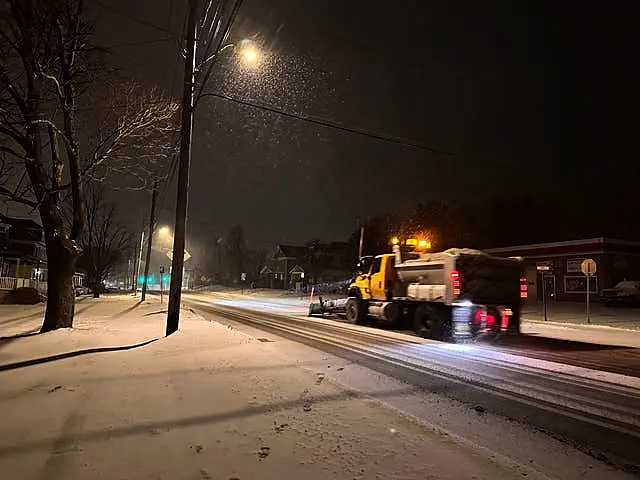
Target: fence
[(9, 283)]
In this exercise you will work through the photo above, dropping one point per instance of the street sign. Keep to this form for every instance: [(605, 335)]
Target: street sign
[(187, 255), (544, 266), (588, 267)]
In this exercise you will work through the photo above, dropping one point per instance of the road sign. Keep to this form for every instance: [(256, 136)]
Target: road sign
[(243, 277), (544, 266), (588, 267), (187, 255)]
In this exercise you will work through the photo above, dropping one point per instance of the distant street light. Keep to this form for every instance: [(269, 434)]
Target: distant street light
[(164, 231)]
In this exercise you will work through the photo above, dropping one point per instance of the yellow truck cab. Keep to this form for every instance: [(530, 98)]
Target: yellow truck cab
[(378, 281)]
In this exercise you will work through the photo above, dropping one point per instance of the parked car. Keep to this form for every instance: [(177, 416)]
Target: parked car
[(626, 292)]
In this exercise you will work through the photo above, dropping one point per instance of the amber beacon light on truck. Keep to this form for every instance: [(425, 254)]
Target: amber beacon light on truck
[(412, 242)]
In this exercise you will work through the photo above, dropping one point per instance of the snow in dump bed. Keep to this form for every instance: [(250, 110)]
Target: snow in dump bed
[(447, 255), (208, 402), (463, 251), (441, 256)]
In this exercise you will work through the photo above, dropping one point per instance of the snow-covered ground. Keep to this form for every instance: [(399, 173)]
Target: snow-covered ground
[(575, 313), (206, 403), (112, 398)]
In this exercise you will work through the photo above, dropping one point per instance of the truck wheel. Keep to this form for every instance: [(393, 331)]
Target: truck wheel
[(356, 311), (427, 323)]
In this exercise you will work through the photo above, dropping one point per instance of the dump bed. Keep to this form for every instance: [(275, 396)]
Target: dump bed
[(489, 280)]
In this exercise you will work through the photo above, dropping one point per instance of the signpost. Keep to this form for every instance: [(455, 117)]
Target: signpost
[(161, 275), (589, 268), (187, 255), (543, 267), (243, 279)]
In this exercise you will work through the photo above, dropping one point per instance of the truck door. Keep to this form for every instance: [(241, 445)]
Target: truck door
[(377, 283)]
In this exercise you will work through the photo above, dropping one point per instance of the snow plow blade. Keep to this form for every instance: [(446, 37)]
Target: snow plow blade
[(328, 306)]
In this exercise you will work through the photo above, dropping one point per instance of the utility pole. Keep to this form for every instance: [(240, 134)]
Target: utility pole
[(152, 220), (182, 197), (138, 260), (361, 242)]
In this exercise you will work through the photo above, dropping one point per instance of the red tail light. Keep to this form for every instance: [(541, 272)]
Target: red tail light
[(455, 276), (486, 320), (524, 288), (505, 322)]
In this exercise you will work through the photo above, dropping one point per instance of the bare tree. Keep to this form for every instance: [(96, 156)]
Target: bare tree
[(46, 73), (105, 242)]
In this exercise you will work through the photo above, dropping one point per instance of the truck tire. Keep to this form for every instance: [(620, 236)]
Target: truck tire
[(356, 311), (428, 323)]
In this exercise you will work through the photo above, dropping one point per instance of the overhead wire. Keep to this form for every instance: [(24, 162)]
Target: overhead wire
[(134, 18), (140, 42), (332, 124), (212, 33), (219, 45)]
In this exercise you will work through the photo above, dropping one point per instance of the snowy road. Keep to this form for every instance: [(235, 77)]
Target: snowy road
[(595, 411)]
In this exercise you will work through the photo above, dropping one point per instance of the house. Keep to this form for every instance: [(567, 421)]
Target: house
[(23, 257), (558, 264), (285, 262), (292, 265)]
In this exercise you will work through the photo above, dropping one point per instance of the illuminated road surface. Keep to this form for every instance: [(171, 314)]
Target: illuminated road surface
[(595, 411)]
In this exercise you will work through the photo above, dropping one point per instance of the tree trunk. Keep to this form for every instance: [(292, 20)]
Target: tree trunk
[(61, 259)]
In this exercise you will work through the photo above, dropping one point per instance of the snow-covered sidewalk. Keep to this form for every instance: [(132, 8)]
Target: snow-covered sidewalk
[(209, 402), (573, 313)]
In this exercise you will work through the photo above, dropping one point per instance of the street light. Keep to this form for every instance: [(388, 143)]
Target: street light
[(164, 231), (250, 56)]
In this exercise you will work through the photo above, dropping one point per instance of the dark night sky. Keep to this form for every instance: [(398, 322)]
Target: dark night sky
[(530, 95)]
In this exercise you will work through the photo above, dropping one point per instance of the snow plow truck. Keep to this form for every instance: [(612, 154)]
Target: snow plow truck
[(452, 295)]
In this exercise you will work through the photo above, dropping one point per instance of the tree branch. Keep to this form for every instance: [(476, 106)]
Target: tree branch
[(6, 193), (13, 91)]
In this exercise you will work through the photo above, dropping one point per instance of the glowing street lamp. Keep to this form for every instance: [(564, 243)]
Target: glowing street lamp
[(164, 231), (249, 54)]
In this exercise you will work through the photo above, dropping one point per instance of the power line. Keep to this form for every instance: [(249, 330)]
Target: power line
[(221, 39), (331, 124), (140, 42), (174, 75), (134, 18)]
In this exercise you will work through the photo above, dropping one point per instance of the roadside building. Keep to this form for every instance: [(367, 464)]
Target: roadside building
[(294, 266), (557, 264), (23, 258)]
